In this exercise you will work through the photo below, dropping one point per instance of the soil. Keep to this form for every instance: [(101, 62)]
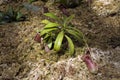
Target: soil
[(18, 50)]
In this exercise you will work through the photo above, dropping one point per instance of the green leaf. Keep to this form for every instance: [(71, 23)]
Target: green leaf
[(19, 15), (45, 21), (44, 31), (46, 36), (68, 20), (50, 43), (58, 41), (51, 15), (51, 25), (78, 32), (76, 35), (70, 44)]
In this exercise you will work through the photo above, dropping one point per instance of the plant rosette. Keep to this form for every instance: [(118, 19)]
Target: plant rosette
[(57, 34), (11, 15)]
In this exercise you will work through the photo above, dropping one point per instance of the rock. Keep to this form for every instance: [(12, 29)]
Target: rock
[(105, 7)]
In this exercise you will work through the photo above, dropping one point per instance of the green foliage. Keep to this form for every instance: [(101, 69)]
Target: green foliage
[(57, 34), (58, 41), (11, 15)]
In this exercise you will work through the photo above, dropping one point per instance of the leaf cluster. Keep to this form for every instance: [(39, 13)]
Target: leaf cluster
[(56, 34), (11, 15)]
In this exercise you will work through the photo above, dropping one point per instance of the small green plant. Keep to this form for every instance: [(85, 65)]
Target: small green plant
[(11, 15), (61, 33)]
